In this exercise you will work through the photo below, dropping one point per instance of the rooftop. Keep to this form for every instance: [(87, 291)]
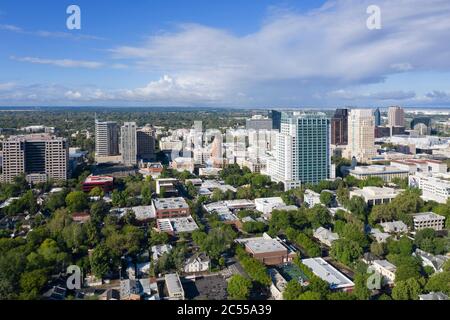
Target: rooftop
[(99, 179), (327, 272), (177, 225), (377, 169), (170, 203), (427, 216), (386, 265), (173, 283), (262, 244), (273, 200)]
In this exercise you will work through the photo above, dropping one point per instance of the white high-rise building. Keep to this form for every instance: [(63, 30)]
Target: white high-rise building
[(129, 143), (361, 135), (303, 150)]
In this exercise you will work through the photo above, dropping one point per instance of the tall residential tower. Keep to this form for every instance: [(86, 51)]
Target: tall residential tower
[(303, 150), (106, 140), (128, 143)]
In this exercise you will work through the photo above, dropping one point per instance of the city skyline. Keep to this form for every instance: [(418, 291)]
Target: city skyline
[(258, 54)]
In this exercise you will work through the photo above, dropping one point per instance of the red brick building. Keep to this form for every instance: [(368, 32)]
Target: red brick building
[(106, 183)]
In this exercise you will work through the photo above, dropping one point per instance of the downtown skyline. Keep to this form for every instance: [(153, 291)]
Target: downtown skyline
[(201, 54)]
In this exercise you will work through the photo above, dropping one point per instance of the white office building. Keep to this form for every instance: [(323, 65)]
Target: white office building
[(428, 220), (434, 187)]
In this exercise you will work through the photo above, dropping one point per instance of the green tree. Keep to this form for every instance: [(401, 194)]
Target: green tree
[(310, 295), (101, 261), (77, 201), (361, 291), (439, 282), (407, 290), (239, 288), (157, 238), (96, 192), (346, 251), (326, 198), (32, 283), (293, 290)]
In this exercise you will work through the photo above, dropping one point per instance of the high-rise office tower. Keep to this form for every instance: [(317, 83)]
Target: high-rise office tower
[(377, 115), (339, 127), (303, 150), (128, 139), (146, 138), (41, 157), (396, 117), (361, 135), (276, 119), (106, 139)]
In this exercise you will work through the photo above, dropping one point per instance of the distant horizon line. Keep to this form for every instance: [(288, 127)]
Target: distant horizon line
[(236, 108)]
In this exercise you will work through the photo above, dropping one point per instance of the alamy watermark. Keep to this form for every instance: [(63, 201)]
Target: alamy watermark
[(374, 20), (75, 277), (73, 22)]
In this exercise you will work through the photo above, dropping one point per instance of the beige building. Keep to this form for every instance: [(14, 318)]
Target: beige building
[(40, 157), (106, 141), (387, 173), (396, 117), (361, 135), (376, 195)]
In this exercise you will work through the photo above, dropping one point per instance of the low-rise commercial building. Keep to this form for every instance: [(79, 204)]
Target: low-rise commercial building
[(330, 274), (106, 183), (428, 220), (434, 187), (375, 195), (174, 226), (268, 250), (167, 186), (170, 208), (267, 205), (174, 287), (387, 173), (419, 165)]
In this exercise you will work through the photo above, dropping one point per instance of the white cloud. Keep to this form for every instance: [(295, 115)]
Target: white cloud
[(73, 95), (324, 55), (66, 63), (7, 86), (292, 52), (48, 34)]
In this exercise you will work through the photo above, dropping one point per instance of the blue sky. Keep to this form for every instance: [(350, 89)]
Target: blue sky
[(249, 53)]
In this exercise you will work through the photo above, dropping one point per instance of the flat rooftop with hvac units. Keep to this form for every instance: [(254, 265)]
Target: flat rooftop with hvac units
[(268, 250)]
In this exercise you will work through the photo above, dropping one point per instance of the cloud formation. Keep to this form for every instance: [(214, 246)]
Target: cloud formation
[(324, 56), (323, 49), (65, 63)]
